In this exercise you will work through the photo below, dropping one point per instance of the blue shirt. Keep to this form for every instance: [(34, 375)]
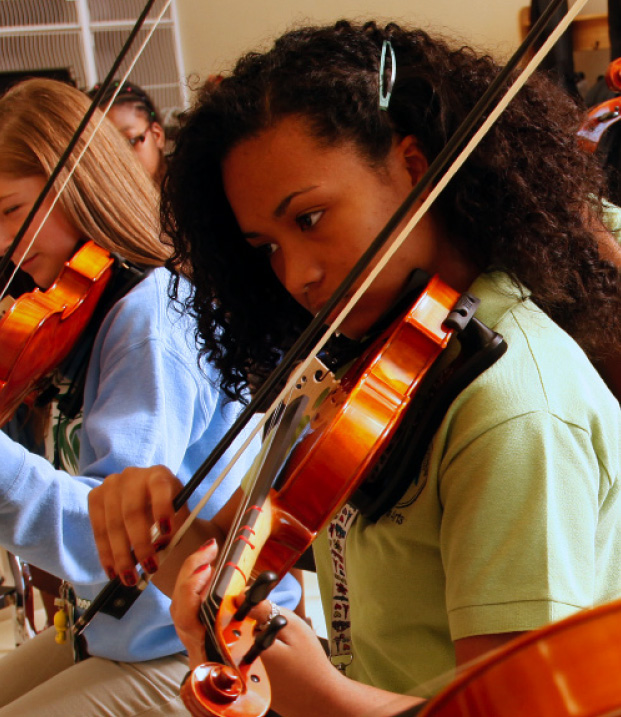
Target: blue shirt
[(146, 402)]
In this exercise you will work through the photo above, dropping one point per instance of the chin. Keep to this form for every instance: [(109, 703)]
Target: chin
[(356, 324), (354, 331)]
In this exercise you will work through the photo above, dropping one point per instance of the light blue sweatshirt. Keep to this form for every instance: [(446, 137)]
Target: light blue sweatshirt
[(146, 402)]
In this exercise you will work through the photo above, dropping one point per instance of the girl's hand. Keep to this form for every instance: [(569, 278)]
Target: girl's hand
[(295, 659), (123, 510), (297, 665), (305, 683), (190, 591)]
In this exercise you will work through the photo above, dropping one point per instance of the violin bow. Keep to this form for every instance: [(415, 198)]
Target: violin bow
[(4, 260), (289, 370)]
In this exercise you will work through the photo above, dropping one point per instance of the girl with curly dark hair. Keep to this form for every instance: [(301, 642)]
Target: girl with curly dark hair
[(282, 175)]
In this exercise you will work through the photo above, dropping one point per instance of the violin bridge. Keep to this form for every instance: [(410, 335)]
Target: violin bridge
[(315, 383)]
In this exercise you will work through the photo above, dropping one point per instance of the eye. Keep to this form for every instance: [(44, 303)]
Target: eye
[(10, 210), (307, 221), (268, 249), (137, 140)]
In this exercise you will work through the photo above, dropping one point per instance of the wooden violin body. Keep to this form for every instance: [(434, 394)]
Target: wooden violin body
[(345, 436), (40, 328), (352, 427), (570, 668)]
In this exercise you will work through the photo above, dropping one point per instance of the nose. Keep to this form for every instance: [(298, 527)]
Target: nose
[(5, 240), (301, 272)]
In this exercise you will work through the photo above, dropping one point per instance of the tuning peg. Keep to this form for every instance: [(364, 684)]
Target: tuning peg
[(264, 639), (256, 593)]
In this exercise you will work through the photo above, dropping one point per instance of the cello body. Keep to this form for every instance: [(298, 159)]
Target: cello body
[(571, 668)]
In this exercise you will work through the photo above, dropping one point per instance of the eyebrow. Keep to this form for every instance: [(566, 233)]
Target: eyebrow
[(282, 208)]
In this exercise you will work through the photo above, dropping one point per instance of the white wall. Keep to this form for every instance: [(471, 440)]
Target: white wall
[(215, 32)]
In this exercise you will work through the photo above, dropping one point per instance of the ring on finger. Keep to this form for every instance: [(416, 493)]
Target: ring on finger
[(274, 611)]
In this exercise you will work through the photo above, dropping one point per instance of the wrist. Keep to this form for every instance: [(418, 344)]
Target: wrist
[(196, 655)]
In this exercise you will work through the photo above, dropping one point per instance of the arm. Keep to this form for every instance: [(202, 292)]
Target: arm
[(39, 507), (470, 648), (45, 511), (513, 521)]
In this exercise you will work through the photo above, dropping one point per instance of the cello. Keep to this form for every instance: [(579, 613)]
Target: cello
[(567, 669)]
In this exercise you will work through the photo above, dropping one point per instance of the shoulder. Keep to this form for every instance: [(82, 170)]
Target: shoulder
[(147, 312), (544, 368), (147, 320), (543, 371)]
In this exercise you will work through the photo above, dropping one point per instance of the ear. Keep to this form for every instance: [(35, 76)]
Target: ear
[(414, 158), (159, 135)]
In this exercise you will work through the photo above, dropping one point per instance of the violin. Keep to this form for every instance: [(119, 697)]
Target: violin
[(601, 117), (343, 439), (567, 669), (40, 328)]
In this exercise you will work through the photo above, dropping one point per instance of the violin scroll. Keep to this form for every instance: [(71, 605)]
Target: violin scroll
[(604, 115), (613, 75), (240, 687)]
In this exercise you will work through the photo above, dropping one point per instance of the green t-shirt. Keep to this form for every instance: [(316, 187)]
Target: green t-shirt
[(515, 520)]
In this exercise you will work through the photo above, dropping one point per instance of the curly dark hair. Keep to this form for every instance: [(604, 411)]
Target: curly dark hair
[(526, 202)]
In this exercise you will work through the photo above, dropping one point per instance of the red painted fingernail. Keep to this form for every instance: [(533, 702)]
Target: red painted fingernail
[(111, 573), (150, 565), (129, 578), (208, 543), (165, 526), (161, 544), (200, 568)]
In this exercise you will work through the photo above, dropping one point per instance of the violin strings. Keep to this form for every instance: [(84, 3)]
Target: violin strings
[(267, 419), (273, 420)]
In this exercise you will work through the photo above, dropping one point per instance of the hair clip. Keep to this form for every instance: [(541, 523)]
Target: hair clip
[(385, 93)]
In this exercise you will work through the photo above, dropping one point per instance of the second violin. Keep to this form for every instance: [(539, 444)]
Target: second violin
[(41, 327)]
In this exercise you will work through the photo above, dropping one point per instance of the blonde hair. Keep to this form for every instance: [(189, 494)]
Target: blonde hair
[(110, 198)]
